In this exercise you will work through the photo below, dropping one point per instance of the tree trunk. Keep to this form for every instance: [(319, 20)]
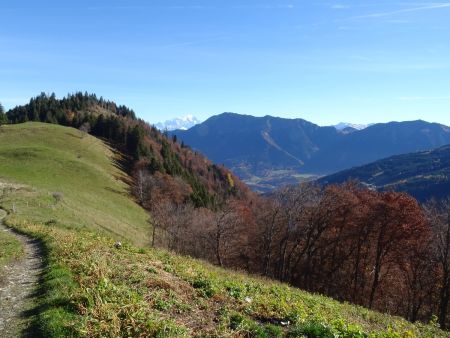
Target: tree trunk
[(218, 255)]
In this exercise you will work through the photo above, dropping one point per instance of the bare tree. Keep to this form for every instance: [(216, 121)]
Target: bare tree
[(438, 214), (58, 196), (85, 128), (225, 223), (418, 272), (268, 220), (142, 185), (297, 202)]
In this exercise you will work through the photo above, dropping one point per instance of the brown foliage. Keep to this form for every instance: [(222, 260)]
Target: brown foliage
[(377, 249)]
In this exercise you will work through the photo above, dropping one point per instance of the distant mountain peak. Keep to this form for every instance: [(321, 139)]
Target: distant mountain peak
[(178, 123), (345, 125)]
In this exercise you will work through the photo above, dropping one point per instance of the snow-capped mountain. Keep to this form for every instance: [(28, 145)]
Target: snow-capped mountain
[(344, 125), (180, 123)]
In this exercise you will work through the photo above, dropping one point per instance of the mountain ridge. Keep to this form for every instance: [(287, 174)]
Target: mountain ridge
[(255, 148), (424, 174)]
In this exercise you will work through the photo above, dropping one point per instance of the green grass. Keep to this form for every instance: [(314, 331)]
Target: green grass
[(10, 248), (276, 178), (46, 158), (92, 289)]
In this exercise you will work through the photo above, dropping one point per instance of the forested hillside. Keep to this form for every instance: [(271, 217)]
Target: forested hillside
[(181, 173), (424, 175)]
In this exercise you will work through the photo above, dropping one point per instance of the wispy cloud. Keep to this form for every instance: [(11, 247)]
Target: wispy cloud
[(190, 7), (115, 8), (423, 98), (405, 10), (266, 6), (339, 6), (149, 6), (398, 21), (195, 42)]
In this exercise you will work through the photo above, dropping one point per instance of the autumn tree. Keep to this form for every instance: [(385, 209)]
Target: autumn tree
[(340, 212), (438, 214), (296, 201), (229, 233), (397, 224), (418, 269), (268, 218)]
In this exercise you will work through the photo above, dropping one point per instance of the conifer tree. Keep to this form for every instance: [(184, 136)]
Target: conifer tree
[(3, 118)]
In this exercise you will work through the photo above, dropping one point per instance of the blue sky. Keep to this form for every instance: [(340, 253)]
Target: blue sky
[(325, 61)]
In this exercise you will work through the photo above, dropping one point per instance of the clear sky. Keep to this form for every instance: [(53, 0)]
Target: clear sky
[(325, 61)]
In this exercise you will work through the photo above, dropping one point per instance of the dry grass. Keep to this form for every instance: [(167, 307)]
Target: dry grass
[(135, 292)]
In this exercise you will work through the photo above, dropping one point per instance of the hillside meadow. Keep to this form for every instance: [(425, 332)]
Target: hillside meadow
[(65, 175)]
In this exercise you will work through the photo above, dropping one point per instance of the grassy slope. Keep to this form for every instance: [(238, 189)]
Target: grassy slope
[(90, 288), (49, 158)]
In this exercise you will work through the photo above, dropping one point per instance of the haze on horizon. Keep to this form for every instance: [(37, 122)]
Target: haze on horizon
[(323, 61)]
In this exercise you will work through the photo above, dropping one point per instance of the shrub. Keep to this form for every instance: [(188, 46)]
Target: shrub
[(311, 330)]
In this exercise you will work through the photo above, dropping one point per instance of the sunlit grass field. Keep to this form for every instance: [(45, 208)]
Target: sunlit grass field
[(90, 191)]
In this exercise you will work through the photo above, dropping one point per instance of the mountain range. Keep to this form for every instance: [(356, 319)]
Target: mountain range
[(188, 121), (181, 123), (270, 151), (423, 174), (346, 125)]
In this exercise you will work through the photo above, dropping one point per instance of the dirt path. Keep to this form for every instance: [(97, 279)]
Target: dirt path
[(17, 285)]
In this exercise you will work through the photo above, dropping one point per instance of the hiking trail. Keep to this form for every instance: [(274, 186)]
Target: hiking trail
[(18, 283)]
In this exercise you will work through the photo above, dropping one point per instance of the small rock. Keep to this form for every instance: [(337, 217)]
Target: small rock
[(248, 299)]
